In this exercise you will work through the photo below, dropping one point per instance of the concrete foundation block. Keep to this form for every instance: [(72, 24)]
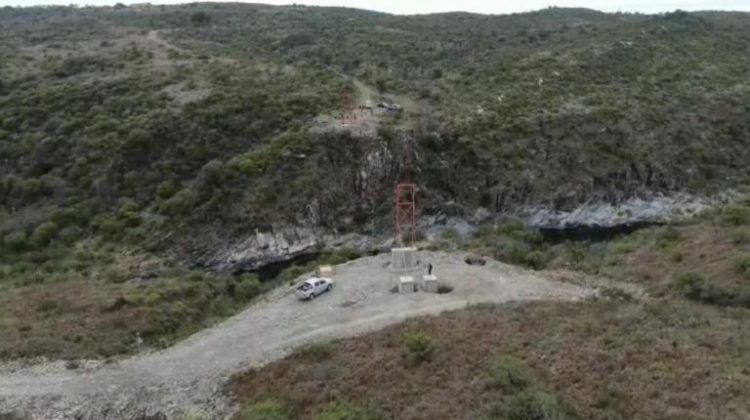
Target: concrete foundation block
[(326, 271), (404, 259), (407, 285), (429, 283)]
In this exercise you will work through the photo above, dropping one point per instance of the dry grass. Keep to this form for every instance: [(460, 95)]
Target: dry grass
[(68, 320), (99, 301), (602, 360), (654, 257)]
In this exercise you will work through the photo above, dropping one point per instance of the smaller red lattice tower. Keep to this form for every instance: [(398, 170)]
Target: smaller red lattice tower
[(347, 108), (406, 213)]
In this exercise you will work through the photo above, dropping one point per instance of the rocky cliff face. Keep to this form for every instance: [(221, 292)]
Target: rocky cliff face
[(254, 251), (349, 203), (657, 209)]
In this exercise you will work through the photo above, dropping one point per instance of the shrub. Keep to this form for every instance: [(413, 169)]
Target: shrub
[(70, 234), (694, 286), (624, 245), (16, 241), (44, 233), (166, 189), (513, 251), (344, 410), (48, 306), (741, 237), (249, 287), (668, 236), (735, 215), (450, 235), (65, 216), (509, 373), (117, 274), (420, 345), (537, 405), (200, 18), (577, 254), (318, 351), (31, 188), (108, 225), (195, 415), (742, 265), (510, 226), (340, 256), (535, 259), (180, 203), (267, 410), (128, 213)]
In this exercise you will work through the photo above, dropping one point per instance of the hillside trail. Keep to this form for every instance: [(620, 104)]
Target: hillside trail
[(190, 377)]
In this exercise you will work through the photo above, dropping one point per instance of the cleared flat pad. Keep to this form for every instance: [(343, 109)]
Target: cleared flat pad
[(189, 377)]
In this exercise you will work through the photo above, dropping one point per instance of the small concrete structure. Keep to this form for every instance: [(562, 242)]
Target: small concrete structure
[(404, 259), (326, 271), (407, 285), (430, 283)]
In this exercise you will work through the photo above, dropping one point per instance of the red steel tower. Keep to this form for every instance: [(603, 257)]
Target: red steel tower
[(406, 213), (347, 108)]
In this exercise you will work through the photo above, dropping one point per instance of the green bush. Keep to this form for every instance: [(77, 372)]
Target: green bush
[(735, 215), (317, 351), (70, 234), (267, 410), (451, 235), (510, 250), (339, 256), (509, 373), (180, 203), (44, 233), (166, 189), (128, 213), (65, 216), (249, 287), (742, 265), (741, 237), (108, 226), (510, 226), (117, 274), (200, 18), (536, 405), (535, 259), (344, 410), (694, 286), (16, 241), (668, 237), (419, 345), (624, 245)]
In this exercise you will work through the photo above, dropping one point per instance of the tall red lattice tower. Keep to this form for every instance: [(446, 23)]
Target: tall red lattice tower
[(347, 108), (406, 213)]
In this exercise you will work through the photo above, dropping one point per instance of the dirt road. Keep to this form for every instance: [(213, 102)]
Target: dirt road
[(190, 376)]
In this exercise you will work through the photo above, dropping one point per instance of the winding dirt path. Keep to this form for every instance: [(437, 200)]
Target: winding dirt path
[(190, 377)]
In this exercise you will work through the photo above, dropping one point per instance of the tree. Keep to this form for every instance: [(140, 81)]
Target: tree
[(200, 18)]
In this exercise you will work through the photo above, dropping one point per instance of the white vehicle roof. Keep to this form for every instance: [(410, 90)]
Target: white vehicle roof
[(312, 280)]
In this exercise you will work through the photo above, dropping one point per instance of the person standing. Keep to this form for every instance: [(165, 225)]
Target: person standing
[(429, 269)]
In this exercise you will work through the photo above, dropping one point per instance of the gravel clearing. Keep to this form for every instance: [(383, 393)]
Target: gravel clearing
[(190, 377)]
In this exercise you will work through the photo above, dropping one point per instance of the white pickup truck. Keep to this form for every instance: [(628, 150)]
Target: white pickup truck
[(313, 287)]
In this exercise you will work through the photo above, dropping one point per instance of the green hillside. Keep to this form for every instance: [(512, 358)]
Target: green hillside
[(131, 137), (160, 115)]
